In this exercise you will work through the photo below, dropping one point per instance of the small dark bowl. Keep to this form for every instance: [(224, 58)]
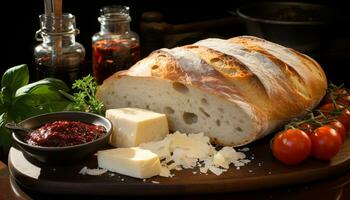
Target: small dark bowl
[(68, 154), (297, 25)]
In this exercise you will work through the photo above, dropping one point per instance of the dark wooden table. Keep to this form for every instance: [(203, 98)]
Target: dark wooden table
[(337, 187)]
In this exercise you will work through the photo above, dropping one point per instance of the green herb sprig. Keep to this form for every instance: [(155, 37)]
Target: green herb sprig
[(84, 99)]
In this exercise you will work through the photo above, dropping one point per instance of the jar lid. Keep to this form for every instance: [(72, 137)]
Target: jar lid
[(54, 24), (114, 13)]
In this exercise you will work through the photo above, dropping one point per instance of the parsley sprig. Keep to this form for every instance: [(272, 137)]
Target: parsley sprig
[(84, 99)]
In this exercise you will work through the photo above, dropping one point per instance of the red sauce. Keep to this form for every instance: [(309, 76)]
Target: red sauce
[(65, 133)]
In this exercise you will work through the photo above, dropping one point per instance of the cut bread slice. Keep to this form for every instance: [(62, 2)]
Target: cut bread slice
[(187, 108)]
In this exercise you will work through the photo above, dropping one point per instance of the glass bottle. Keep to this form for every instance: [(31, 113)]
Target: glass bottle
[(115, 47), (59, 55)]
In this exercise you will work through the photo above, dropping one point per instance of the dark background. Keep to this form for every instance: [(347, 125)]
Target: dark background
[(19, 22)]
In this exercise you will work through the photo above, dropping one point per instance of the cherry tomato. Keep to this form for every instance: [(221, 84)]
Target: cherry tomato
[(337, 93), (340, 92), (344, 118), (339, 127), (307, 128), (329, 110), (344, 100), (329, 107), (326, 143), (291, 146)]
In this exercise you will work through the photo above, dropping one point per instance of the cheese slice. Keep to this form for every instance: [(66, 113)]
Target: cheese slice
[(134, 162), (133, 126)]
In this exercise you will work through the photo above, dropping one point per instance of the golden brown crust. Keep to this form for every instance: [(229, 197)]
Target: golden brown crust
[(299, 100), (278, 83), (234, 71)]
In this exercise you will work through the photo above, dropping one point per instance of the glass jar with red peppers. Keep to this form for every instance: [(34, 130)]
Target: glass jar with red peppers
[(115, 47)]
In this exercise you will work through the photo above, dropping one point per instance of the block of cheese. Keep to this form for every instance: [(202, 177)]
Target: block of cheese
[(135, 162), (134, 126)]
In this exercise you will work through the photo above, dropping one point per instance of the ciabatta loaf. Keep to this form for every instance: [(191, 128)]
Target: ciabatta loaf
[(235, 90)]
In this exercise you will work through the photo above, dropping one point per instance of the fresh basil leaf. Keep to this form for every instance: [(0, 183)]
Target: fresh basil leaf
[(66, 95), (55, 106), (43, 96), (48, 91), (50, 104), (3, 119), (7, 96), (5, 141), (25, 106), (2, 104), (5, 135), (36, 87), (2, 108), (28, 105), (15, 77)]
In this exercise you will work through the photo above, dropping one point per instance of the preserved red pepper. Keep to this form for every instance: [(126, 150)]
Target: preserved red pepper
[(115, 47), (110, 56)]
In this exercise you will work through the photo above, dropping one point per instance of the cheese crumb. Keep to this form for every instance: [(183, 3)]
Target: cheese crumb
[(186, 151), (216, 170), (245, 149), (165, 172), (155, 182), (93, 172)]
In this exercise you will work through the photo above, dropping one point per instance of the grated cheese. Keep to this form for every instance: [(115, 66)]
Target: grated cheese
[(179, 151)]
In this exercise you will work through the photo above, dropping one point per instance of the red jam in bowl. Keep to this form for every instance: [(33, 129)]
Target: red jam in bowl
[(64, 133)]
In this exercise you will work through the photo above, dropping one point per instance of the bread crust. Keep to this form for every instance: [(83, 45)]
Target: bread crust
[(277, 83)]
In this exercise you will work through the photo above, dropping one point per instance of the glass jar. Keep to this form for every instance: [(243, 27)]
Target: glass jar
[(59, 55), (115, 47)]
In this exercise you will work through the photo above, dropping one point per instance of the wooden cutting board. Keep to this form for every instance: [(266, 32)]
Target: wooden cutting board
[(261, 173), (2, 165)]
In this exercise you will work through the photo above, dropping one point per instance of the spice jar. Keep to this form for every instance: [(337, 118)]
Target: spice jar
[(115, 47), (59, 55)]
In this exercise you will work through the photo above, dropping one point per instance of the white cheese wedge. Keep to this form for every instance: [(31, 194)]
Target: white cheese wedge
[(133, 126), (134, 162)]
